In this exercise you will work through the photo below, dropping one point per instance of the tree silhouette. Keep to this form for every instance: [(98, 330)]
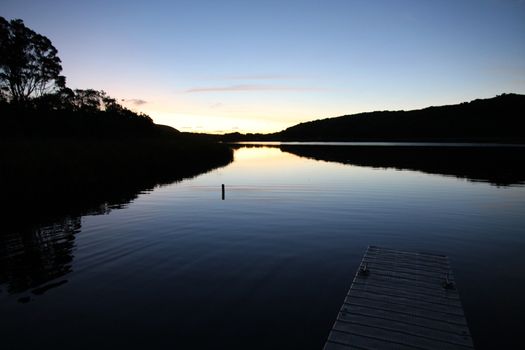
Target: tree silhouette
[(88, 100), (29, 65)]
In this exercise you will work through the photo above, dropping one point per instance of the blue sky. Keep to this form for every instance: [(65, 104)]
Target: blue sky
[(260, 66)]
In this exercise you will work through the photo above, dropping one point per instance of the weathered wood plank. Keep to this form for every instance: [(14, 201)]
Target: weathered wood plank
[(408, 274), (454, 302), (423, 304), (417, 329), (406, 318), (401, 300), (420, 257), (412, 289), (387, 334), (398, 282), (402, 266), (336, 346), (410, 261), (406, 309), (403, 257), (366, 342), (428, 255)]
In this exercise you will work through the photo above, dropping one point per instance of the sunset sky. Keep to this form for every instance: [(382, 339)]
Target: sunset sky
[(261, 66)]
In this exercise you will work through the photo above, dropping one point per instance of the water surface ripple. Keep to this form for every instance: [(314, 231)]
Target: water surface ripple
[(269, 266)]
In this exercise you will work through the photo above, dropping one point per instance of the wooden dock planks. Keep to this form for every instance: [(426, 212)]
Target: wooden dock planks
[(401, 300)]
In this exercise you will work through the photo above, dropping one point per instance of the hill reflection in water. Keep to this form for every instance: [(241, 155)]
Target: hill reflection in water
[(501, 166), (290, 232), (37, 241)]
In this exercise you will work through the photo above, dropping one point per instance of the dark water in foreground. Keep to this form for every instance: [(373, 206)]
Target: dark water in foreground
[(270, 265)]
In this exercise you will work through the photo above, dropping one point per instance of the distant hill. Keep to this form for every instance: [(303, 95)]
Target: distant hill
[(498, 119)]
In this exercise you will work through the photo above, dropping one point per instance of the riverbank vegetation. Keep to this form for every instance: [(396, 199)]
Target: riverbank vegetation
[(66, 150), (498, 119)]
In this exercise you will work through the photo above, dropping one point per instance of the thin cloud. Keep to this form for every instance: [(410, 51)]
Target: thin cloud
[(252, 77), (262, 77), (135, 101), (248, 88)]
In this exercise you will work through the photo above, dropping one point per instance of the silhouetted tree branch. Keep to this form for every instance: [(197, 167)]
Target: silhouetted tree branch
[(29, 65)]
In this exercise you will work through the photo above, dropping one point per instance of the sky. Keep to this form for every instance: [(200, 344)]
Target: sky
[(261, 66)]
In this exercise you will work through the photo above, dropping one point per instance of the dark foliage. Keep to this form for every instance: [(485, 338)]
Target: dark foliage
[(48, 184), (79, 113), (71, 176), (499, 119), (29, 65), (65, 151), (35, 102)]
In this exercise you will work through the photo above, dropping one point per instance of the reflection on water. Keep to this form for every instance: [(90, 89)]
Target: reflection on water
[(499, 165), (37, 243), (35, 258), (30, 259), (179, 267)]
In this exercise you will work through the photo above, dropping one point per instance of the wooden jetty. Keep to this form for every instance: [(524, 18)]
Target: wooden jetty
[(401, 300)]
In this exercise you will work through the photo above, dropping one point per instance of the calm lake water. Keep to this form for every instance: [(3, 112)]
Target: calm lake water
[(269, 266)]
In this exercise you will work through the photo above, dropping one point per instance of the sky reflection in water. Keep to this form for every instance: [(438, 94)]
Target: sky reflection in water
[(269, 266)]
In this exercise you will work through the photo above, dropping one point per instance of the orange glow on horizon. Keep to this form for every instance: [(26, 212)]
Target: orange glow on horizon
[(189, 115)]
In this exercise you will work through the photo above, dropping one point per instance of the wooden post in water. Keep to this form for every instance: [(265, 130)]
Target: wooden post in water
[(222, 191)]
